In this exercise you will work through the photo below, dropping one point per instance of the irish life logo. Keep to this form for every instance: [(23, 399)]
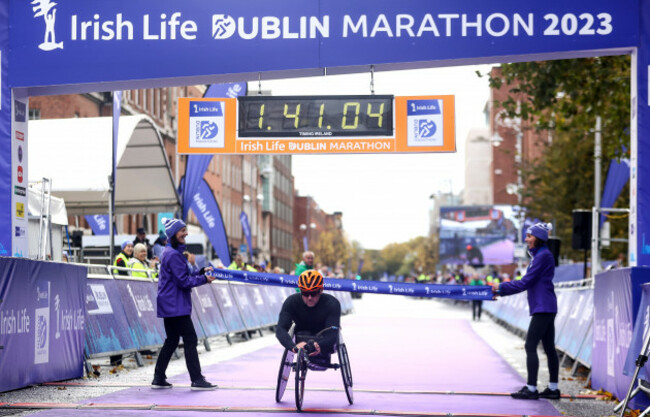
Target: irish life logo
[(424, 123), (42, 328), (47, 10), (207, 124)]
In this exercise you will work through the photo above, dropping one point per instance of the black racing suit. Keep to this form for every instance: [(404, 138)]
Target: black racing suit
[(309, 321)]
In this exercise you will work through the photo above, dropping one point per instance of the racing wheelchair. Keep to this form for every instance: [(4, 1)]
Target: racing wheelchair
[(303, 363)]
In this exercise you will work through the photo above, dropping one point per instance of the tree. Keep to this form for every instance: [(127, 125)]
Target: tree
[(565, 97)]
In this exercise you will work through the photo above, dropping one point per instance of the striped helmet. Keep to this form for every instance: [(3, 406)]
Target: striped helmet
[(310, 280)]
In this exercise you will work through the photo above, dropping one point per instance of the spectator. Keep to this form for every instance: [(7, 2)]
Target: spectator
[(306, 264), (477, 305), (122, 258), (141, 237), (237, 264), (542, 303), (64, 257), (159, 245), (175, 307), (140, 262)]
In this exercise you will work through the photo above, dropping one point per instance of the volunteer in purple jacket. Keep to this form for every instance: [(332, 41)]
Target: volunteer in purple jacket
[(542, 304), (175, 307)]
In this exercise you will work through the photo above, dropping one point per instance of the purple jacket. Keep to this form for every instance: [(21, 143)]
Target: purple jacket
[(175, 284), (538, 281)]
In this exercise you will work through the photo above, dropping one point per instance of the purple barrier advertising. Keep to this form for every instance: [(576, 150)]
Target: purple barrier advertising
[(246, 307), (617, 295), (200, 331), (107, 328), (139, 301), (564, 302), (229, 309), (204, 304), (572, 338), (260, 304), (42, 322), (639, 335), (274, 297)]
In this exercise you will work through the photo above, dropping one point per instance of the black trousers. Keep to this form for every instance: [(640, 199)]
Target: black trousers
[(541, 328), (477, 308), (175, 328)]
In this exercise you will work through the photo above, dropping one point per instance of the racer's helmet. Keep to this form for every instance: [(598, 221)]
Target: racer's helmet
[(310, 280)]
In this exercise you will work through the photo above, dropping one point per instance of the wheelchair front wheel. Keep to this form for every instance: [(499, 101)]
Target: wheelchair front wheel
[(283, 374), (346, 371), (301, 374)]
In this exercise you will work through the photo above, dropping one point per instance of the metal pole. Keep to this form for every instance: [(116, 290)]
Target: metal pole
[(595, 223), (518, 159)]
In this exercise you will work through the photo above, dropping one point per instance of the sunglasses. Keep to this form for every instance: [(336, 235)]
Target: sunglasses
[(308, 294)]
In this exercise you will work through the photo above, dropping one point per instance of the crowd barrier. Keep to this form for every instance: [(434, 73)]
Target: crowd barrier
[(42, 322), (121, 311), (573, 323), (594, 325)]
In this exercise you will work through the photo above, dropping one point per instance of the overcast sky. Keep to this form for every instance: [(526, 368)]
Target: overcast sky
[(385, 198)]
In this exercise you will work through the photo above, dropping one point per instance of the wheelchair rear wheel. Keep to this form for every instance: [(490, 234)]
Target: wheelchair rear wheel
[(346, 371), (301, 374), (283, 374)]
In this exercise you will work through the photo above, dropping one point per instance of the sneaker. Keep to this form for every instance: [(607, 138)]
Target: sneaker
[(202, 385), (551, 394), (160, 384), (525, 394)]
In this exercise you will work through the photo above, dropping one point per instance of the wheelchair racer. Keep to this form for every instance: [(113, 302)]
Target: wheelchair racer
[(317, 318)]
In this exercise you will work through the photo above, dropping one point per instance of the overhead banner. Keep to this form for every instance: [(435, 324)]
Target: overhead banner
[(458, 292), (42, 322), (316, 125), (99, 42)]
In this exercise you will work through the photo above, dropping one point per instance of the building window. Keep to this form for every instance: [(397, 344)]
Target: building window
[(34, 114)]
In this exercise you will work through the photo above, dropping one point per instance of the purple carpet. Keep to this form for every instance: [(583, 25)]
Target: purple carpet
[(385, 353)]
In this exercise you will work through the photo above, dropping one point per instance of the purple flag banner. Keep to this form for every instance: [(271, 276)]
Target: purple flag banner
[(42, 322), (243, 218), (617, 295), (305, 244), (207, 210), (99, 223), (617, 176)]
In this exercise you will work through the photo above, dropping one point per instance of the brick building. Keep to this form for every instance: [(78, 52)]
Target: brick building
[(236, 180)]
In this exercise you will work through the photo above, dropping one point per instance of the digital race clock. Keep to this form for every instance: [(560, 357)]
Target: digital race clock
[(315, 116)]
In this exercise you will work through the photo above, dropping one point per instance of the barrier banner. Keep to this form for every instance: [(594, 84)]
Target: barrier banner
[(229, 309), (247, 308), (638, 337), (260, 303), (578, 322), (107, 327), (42, 322), (196, 322), (457, 292), (274, 297), (205, 306), (564, 302), (139, 301), (617, 295)]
